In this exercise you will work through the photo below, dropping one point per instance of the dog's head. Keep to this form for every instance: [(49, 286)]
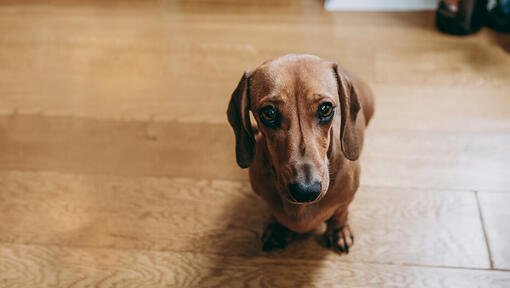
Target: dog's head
[(301, 104)]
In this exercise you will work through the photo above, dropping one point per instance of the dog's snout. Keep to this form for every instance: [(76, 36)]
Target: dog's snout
[(305, 192)]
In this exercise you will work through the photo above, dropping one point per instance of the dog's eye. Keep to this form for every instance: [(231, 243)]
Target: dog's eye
[(325, 111), (269, 116)]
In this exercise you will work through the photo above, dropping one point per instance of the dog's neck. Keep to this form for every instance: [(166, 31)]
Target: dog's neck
[(298, 212)]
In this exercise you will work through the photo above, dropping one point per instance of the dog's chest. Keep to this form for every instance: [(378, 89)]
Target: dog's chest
[(305, 218)]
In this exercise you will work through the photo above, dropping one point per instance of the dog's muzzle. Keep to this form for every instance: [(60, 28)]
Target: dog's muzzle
[(305, 192)]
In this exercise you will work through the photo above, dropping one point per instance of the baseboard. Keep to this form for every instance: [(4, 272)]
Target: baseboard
[(380, 5)]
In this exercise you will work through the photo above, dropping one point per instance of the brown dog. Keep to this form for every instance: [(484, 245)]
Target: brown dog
[(303, 156)]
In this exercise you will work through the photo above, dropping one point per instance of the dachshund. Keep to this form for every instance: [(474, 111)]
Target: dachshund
[(303, 152)]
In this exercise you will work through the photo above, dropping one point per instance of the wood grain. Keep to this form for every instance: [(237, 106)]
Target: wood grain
[(137, 69), (437, 160), (441, 65), (226, 218), (52, 266), (496, 217), (117, 165), (118, 147), (441, 108), (130, 148)]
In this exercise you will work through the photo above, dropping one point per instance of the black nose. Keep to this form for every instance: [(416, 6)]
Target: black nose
[(305, 192)]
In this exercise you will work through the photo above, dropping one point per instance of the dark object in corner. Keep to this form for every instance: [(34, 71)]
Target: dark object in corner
[(498, 18), (460, 17)]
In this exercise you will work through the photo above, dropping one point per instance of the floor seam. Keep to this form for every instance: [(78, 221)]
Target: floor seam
[(260, 257), (484, 229)]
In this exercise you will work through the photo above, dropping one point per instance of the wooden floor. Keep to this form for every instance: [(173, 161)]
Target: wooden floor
[(117, 164)]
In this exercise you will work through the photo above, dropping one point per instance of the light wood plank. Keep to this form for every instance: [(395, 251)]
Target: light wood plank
[(496, 216), (29, 266), (118, 147), (390, 158), (134, 89), (441, 160), (138, 69), (226, 218), (462, 65), (432, 108)]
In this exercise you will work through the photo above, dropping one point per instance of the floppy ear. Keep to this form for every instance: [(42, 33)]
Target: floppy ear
[(351, 140), (239, 118)]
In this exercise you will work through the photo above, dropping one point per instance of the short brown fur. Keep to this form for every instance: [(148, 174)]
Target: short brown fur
[(301, 147)]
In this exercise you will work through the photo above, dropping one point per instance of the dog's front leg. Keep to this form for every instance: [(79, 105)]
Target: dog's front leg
[(339, 235), (276, 236)]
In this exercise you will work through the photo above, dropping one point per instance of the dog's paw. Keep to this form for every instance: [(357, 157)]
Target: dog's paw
[(275, 236), (340, 239)]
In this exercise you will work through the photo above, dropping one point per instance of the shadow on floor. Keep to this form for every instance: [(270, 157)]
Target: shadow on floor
[(502, 40), (238, 258)]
